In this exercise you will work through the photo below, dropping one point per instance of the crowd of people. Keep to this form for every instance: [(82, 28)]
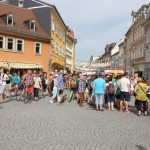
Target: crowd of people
[(98, 90)]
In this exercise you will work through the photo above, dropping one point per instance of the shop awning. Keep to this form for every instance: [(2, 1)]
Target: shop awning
[(25, 66), (4, 64), (58, 65)]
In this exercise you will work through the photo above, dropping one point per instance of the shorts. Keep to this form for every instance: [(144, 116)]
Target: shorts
[(74, 90), (125, 96), (30, 89), (90, 92), (2, 89), (118, 96), (99, 98), (110, 99), (8, 87), (16, 85)]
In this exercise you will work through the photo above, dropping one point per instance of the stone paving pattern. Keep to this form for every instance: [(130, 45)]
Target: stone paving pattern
[(45, 126)]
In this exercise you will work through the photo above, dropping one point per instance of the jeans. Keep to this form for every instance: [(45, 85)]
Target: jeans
[(99, 99), (36, 92), (54, 93)]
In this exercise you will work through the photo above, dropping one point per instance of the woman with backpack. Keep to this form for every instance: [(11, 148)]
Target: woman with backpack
[(111, 90), (73, 87)]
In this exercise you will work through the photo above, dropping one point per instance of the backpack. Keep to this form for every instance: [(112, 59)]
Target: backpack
[(111, 89), (20, 86), (73, 83), (89, 84)]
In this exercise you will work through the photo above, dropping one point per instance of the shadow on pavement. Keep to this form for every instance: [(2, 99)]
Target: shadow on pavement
[(1, 107), (139, 147)]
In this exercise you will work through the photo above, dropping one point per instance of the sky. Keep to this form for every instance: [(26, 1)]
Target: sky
[(97, 22)]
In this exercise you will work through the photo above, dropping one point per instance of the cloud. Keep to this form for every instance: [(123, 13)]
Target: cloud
[(97, 23)]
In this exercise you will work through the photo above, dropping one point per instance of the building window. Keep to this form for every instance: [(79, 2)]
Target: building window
[(1, 42), (10, 43), (64, 53), (134, 54), (10, 20), (148, 56), (53, 46), (63, 37), (61, 51), (57, 48), (20, 45), (37, 48), (20, 3), (57, 29), (53, 25), (148, 37), (61, 34), (32, 25), (143, 32)]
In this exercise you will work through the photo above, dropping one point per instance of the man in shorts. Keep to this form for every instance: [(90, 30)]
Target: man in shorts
[(125, 92), (28, 82)]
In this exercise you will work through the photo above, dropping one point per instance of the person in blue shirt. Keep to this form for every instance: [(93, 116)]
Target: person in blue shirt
[(99, 85), (60, 81), (16, 80)]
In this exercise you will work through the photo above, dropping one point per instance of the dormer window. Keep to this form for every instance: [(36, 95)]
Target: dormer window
[(10, 20), (20, 3), (32, 25)]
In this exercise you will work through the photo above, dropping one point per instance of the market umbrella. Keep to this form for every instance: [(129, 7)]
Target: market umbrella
[(115, 72)]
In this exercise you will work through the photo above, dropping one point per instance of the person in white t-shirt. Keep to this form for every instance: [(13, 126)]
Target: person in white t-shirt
[(125, 92), (3, 79), (37, 85)]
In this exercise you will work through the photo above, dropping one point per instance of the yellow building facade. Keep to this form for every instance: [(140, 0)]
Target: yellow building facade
[(70, 50), (58, 42)]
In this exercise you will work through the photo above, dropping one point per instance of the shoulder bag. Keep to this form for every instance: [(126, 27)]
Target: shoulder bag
[(142, 89)]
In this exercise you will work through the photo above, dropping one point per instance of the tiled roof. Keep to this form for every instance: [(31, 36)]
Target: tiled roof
[(20, 16)]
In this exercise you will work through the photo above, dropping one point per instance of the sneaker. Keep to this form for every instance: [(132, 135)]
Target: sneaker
[(101, 109), (51, 101), (145, 114), (36, 99), (139, 114)]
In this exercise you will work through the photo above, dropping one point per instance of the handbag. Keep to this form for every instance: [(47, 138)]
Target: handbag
[(134, 93)]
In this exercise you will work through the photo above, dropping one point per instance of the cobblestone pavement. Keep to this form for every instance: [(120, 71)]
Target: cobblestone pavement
[(44, 126)]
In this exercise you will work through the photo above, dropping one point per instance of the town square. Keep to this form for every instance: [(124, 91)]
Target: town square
[(74, 75)]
